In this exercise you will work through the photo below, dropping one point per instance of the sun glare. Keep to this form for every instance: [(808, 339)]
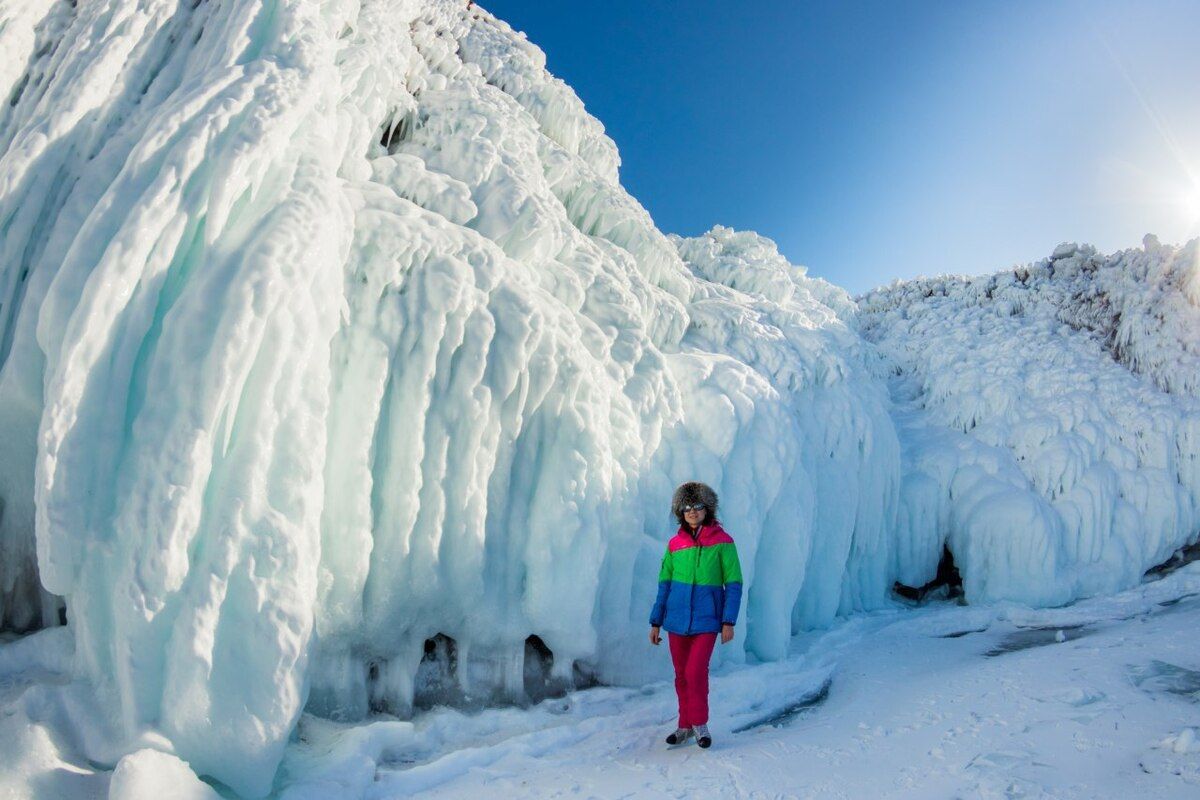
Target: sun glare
[(1189, 202)]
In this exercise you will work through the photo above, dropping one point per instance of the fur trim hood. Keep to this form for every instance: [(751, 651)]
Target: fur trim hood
[(691, 493)]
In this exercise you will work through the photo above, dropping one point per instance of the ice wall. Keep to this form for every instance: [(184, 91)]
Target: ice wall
[(171, 211), (329, 333), (1049, 419)]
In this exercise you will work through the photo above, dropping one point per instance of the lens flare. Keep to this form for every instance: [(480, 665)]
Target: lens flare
[(1189, 202)]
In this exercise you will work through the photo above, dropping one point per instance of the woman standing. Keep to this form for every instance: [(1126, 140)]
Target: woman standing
[(699, 592)]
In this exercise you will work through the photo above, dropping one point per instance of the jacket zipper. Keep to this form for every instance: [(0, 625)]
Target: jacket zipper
[(695, 572)]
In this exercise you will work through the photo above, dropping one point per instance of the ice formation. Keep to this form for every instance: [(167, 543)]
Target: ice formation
[(1050, 418), (338, 371)]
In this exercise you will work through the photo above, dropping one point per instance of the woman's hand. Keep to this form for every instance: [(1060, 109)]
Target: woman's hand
[(654, 638), (726, 633)]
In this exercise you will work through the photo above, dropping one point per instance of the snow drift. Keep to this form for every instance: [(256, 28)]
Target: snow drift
[(338, 371)]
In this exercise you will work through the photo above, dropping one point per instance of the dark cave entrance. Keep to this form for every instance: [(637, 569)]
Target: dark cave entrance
[(946, 584)]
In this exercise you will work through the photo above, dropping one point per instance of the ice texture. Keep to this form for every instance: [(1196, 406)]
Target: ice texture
[(1050, 418), (328, 334)]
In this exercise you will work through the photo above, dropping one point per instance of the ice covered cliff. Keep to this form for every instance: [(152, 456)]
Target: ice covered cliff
[(1049, 416), (337, 369)]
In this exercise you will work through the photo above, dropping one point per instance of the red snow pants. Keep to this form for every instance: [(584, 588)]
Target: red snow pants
[(690, 655)]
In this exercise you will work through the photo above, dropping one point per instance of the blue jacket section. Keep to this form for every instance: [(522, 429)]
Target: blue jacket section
[(687, 608)]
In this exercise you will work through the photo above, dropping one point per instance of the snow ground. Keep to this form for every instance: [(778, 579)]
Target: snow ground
[(1100, 699), (1093, 700)]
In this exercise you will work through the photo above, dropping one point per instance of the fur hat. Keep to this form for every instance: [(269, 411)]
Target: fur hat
[(691, 493)]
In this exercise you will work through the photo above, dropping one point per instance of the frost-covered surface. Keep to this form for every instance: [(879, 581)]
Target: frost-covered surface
[(1049, 418), (338, 372)]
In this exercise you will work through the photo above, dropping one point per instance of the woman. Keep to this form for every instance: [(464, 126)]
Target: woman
[(699, 591)]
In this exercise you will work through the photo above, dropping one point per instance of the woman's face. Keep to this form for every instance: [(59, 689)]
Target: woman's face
[(694, 515)]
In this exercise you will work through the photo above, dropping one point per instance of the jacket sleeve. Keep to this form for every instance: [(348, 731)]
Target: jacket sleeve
[(731, 574), (664, 587)]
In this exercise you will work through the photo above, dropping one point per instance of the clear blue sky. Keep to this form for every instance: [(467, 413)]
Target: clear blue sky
[(875, 140)]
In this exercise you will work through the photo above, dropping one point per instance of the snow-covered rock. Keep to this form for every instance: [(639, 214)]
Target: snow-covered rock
[(1050, 418)]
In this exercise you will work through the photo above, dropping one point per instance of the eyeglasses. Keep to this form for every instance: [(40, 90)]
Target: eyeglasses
[(697, 507)]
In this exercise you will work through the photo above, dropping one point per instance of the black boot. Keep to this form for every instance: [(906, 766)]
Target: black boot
[(680, 735)]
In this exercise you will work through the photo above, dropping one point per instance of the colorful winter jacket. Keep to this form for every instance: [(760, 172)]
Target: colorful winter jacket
[(700, 583)]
